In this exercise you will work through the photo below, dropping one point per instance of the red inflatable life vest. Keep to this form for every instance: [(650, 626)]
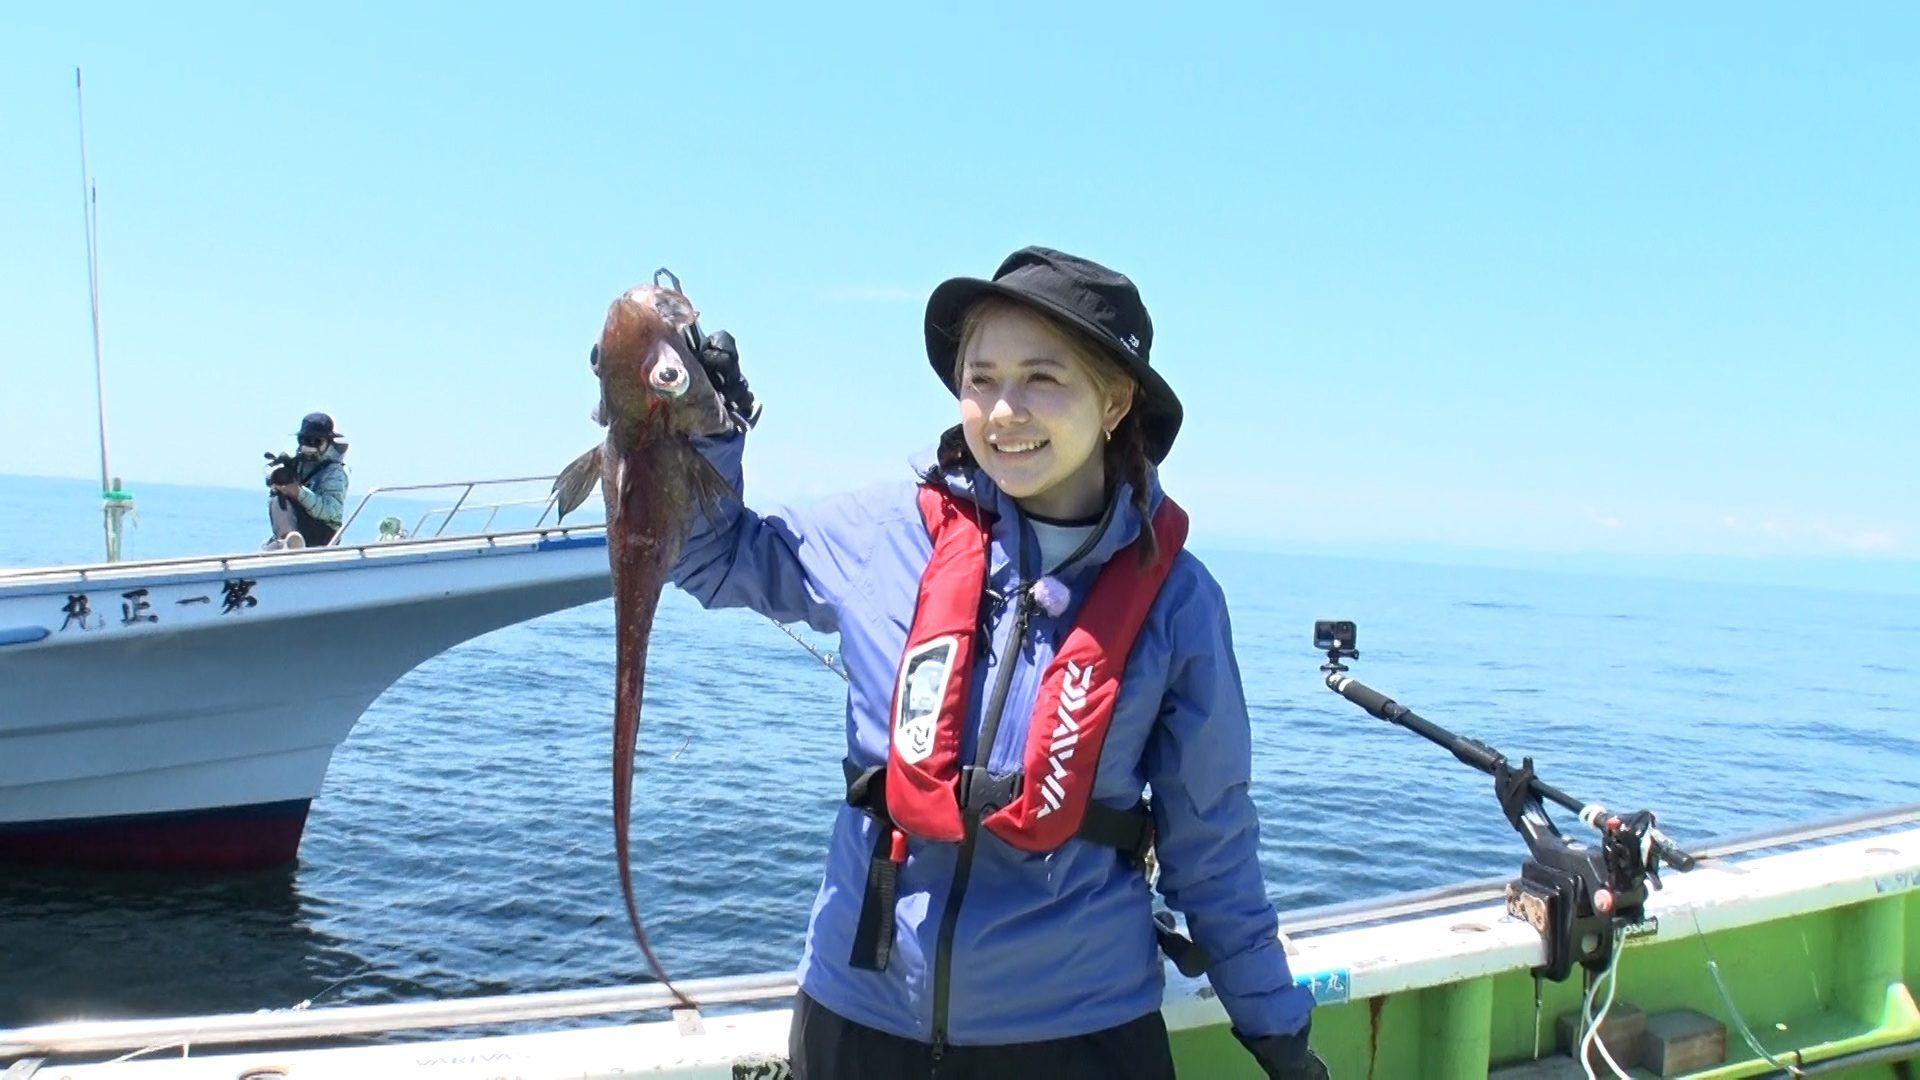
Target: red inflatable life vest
[(1077, 693)]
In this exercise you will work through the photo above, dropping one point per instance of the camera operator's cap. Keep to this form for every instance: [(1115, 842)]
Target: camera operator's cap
[(317, 425), (1087, 296)]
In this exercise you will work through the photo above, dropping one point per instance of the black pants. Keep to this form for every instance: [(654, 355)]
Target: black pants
[(826, 1046)]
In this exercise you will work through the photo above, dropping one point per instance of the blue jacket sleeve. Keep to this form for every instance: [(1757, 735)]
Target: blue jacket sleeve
[(1199, 762), (788, 565)]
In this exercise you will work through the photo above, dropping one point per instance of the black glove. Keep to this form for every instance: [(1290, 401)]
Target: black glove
[(1285, 1057), (721, 358)]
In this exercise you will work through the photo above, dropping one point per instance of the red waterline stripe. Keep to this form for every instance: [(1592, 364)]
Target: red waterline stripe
[(226, 838)]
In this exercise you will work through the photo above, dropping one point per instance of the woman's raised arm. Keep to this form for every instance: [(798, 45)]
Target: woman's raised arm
[(790, 564)]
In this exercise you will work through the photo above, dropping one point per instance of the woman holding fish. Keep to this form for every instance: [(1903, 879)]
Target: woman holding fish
[(1030, 651)]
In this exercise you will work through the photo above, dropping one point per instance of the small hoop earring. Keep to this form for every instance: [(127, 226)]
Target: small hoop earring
[(1109, 434)]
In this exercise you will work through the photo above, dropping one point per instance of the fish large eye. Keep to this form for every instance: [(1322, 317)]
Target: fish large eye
[(593, 358), (668, 378)]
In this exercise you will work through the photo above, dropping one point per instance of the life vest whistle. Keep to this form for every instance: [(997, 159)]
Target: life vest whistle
[(1075, 704)]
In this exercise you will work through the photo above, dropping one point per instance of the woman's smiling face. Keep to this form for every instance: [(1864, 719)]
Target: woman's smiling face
[(1033, 414)]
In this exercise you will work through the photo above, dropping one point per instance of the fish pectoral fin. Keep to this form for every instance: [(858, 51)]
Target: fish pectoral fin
[(711, 492), (570, 488)]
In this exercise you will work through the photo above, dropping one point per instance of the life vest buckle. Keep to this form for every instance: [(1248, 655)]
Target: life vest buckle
[(981, 792)]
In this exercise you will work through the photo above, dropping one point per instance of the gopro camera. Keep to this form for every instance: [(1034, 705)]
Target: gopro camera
[(1336, 638), (1331, 635)]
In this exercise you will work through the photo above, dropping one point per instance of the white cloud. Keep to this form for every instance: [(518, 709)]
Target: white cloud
[(1863, 540), (1820, 534)]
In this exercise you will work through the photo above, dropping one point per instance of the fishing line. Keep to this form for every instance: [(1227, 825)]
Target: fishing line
[(185, 1044), (363, 969), (720, 481), (1726, 998)]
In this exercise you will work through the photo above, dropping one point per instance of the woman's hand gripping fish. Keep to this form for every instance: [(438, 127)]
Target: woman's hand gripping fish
[(653, 396)]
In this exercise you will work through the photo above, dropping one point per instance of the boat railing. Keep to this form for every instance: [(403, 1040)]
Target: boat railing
[(84, 1036), (249, 560), (301, 1023), (463, 502)]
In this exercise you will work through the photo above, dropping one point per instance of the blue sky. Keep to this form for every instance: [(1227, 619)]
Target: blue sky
[(1551, 280)]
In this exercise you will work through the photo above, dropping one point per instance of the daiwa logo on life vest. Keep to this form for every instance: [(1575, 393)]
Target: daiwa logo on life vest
[(922, 690), (1074, 688)]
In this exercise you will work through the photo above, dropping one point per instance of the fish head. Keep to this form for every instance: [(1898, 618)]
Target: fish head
[(649, 382)]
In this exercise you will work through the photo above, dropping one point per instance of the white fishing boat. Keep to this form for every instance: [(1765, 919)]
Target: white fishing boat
[(1796, 953), (144, 719)]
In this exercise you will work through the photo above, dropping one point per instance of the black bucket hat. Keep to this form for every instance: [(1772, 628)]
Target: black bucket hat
[(1081, 293)]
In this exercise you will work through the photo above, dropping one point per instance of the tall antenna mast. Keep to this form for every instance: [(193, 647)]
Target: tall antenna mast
[(116, 504)]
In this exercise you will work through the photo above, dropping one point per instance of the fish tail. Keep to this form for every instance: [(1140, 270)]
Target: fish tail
[(633, 624)]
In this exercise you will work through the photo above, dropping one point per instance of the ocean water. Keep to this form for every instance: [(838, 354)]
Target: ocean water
[(462, 843)]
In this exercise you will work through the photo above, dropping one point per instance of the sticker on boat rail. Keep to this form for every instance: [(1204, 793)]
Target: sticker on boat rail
[(1904, 881), (562, 543), (1329, 987)]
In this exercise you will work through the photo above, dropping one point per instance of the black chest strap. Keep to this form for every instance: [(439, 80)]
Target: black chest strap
[(1130, 832)]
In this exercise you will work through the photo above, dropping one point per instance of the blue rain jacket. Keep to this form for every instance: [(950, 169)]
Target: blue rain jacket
[(1045, 946)]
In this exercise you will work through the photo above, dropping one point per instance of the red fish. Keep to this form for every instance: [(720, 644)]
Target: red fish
[(653, 396)]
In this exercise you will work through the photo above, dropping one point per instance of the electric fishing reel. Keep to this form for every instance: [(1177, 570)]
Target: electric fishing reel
[(1582, 898)]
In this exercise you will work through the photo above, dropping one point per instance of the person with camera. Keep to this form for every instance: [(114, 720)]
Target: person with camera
[(309, 487), (1029, 650)]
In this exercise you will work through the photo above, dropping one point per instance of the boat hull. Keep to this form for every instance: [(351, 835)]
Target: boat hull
[(146, 715)]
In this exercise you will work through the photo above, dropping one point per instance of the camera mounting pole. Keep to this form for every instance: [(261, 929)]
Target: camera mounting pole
[(1576, 895)]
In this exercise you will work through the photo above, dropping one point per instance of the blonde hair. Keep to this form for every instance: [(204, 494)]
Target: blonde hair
[(1124, 454)]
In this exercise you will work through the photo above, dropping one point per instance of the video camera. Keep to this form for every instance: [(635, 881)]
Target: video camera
[(281, 469)]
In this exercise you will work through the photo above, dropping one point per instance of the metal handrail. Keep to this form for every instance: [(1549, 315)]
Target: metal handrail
[(493, 509), (466, 491), (85, 571), (89, 572), (84, 1036)]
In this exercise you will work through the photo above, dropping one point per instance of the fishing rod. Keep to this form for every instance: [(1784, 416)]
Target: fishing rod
[(1581, 898), (116, 503)]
